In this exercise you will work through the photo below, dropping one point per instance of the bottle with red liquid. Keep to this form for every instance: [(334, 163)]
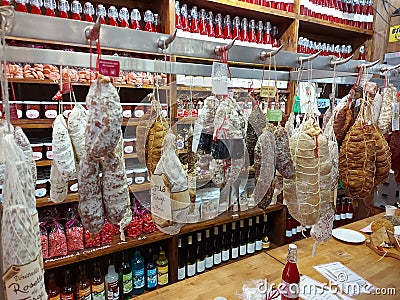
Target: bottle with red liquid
[(194, 21), (157, 23), (76, 10), (267, 34), (5, 3), (362, 53), (36, 6), (289, 5), (184, 18), (177, 16), (210, 24), (244, 30), (148, 21), (300, 45), (218, 26), (112, 14), (350, 211), (357, 13), (88, 11), (21, 5), (363, 11), (274, 35), (280, 5), (101, 13), (288, 231), (252, 32), (350, 7), (203, 22), (63, 9), (135, 19), (338, 211), (227, 27), (303, 8), (260, 32), (50, 6), (67, 290), (236, 28), (291, 276), (349, 50), (124, 17), (370, 14)]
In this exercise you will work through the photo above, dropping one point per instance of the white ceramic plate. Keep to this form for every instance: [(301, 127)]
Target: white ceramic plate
[(348, 235)]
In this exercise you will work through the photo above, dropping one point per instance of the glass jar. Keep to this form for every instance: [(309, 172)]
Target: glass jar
[(41, 189), (48, 150), (128, 146), (32, 110), (37, 150), (73, 186), (139, 111), (50, 110), (140, 175), (127, 111), (129, 176)]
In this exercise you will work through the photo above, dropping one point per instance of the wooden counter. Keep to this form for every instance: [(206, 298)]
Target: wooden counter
[(359, 258), (224, 281)]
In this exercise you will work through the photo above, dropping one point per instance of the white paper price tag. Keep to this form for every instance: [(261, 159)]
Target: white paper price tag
[(219, 78), (160, 198), (196, 136), (396, 117)]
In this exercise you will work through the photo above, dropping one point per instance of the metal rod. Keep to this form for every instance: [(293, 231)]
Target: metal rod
[(338, 62), (218, 49), (271, 53), (163, 43), (303, 59), (92, 32)]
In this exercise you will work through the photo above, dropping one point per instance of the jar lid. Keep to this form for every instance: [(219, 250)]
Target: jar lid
[(49, 103), (41, 181), (32, 102), (129, 140), (129, 172), (139, 170), (37, 145), (48, 144)]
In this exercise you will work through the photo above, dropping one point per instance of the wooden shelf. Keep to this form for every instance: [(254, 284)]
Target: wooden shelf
[(116, 246), (45, 201), (43, 163), (33, 124), (131, 155), (228, 217), (186, 121), (139, 187)]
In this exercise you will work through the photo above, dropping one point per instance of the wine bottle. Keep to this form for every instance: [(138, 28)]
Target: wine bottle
[(251, 238), (235, 242), (181, 261), (200, 256), (217, 247), (226, 247), (151, 271), (53, 291), (258, 234), (111, 279), (67, 290), (190, 258), (98, 291), (242, 239), (137, 264), (265, 233), (288, 231), (83, 291), (162, 268), (209, 253), (343, 212), (125, 278)]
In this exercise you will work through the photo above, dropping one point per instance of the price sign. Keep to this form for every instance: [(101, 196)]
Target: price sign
[(274, 115), (109, 67), (267, 92)]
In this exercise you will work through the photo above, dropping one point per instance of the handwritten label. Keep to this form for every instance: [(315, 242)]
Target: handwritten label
[(274, 115), (109, 67), (268, 91), (25, 282), (160, 198)]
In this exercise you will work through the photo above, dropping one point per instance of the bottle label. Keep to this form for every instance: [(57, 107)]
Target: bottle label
[(209, 262), (294, 231), (290, 290), (337, 217), (98, 292), (288, 233), (235, 252), (349, 215), (84, 294), (242, 249), (191, 270), (112, 290), (251, 248), (138, 278), (151, 278), (225, 255), (162, 275), (258, 245), (298, 229), (201, 266), (127, 284), (57, 297), (343, 216), (181, 273), (67, 296), (217, 258)]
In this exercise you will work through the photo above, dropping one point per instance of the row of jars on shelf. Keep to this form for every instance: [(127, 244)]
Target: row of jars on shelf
[(152, 22), (284, 5), (205, 24), (307, 46), (356, 13)]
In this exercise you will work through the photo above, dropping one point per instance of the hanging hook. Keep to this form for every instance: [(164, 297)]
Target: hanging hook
[(219, 49), (7, 15), (369, 65), (303, 59), (337, 61), (163, 43), (271, 53), (93, 32)]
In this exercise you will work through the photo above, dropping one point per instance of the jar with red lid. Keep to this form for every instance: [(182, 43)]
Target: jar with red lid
[(128, 146), (127, 111), (32, 110), (140, 175), (73, 186), (37, 150), (48, 150), (139, 111), (50, 110), (129, 176)]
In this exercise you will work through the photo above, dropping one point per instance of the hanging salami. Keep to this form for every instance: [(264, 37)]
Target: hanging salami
[(255, 126), (385, 117), (284, 162), (76, 127)]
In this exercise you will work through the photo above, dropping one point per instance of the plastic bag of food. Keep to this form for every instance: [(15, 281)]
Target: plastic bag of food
[(57, 240), (107, 234), (74, 231)]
